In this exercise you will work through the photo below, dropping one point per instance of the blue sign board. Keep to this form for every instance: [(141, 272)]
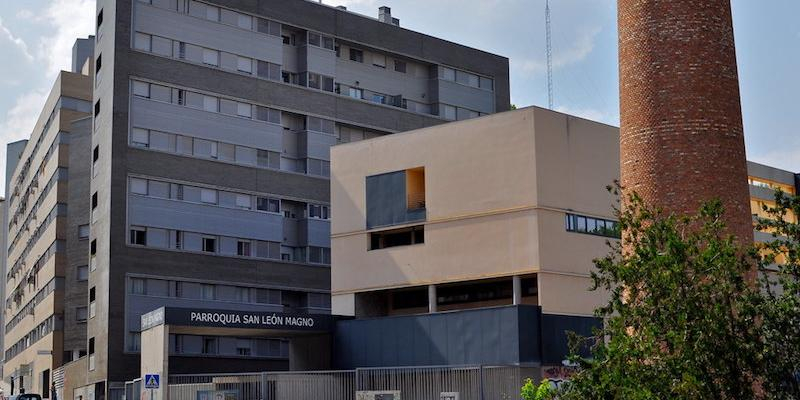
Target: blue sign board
[(151, 381)]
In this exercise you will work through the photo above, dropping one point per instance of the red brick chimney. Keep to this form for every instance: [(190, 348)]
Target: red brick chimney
[(681, 136)]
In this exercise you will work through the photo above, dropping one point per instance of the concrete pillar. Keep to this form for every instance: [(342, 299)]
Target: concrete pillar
[(432, 299), (517, 282), (155, 360)]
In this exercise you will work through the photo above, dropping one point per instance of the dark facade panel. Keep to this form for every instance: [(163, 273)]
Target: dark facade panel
[(481, 336), (386, 201), (555, 342)]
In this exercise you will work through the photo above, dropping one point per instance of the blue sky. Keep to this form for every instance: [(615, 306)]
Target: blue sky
[(36, 38)]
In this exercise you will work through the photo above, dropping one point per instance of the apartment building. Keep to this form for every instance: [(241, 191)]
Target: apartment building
[(472, 242), (47, 237), (212, 123)]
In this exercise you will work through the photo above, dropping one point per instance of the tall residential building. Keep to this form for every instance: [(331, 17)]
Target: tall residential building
[(681, 134), (47, 186), (13, 154), (472, 242), (210, 160)]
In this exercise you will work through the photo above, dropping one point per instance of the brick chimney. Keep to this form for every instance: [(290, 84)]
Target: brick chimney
[(681, 137)]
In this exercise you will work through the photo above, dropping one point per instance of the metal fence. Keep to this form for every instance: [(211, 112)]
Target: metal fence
[(413, 383)]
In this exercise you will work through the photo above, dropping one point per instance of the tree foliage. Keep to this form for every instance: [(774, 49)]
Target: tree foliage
[(686, 319)]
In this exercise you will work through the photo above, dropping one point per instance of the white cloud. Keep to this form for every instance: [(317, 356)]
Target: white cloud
[(19, 122), (70, 20), (563, 56), (785, 157), (16, 41)]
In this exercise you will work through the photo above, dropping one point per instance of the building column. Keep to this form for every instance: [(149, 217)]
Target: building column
[(432, 299), (517, 283)]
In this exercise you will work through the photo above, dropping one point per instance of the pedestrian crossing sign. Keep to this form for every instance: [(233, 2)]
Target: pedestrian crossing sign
[(151, 381)]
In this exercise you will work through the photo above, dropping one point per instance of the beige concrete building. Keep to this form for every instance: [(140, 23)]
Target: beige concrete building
[(497, 193), (503, 210), (46, 309)]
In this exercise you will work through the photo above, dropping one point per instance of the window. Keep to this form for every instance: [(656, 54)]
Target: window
[(93, 247), (100, 18), (318, 211), (138, 236), (448, 74), (45, 385), (314, 39), (141, 41), (134, 341), (487, 83), (356, 55), (139, 186), (243, 347), (210, 103), (592, 226), (244, 64), (81, 314), (245, 22), (268, 204), (97, 108), (327, 42), (208, 196), (209, 345), (244, 110), (314, 80), (141, 89), (210, 57), (244, 201), (319, 255), (83, 231), (92, 298), (379, 98), (138, 286), (212, 13), (98, 63), (356, 93), (397, 237), (96, 154), (400, 66), (465, 78), (243, 248), (140, 137), (208, 292), (209, 245), (379, 60), (83, 273), (91, 354), (448, 112), (94, 201)]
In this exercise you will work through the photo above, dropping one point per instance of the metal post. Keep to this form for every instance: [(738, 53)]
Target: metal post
[(432, 298), (263, 386), (517, 283)]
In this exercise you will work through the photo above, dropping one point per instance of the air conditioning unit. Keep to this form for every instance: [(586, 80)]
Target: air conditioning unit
[(378, 395)]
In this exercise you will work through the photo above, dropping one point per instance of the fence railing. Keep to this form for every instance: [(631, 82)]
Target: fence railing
[(413, 383)]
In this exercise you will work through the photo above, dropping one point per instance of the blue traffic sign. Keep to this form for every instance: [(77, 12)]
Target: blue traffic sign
[(151, 381)]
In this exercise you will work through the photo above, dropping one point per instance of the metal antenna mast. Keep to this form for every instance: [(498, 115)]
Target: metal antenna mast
[(549, 55)]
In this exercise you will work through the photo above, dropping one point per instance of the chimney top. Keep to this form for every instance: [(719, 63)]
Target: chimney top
[(385, 16)]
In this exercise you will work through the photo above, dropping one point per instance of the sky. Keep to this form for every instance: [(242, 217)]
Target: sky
[(36, 38)]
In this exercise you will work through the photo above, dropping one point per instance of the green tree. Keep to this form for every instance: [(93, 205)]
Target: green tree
[(683, 321), (544, 391)]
